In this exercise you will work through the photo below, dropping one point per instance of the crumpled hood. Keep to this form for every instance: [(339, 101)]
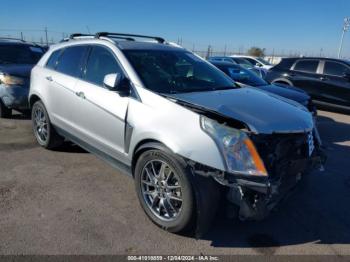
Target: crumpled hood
[(263, 112), (17, 70)]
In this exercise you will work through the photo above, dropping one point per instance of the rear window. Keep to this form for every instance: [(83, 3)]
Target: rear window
[(309, 66), (334, 68), (286, 63), (70, 62), (20, 54)]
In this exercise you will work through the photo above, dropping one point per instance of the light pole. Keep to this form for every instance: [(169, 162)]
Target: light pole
[(345, 29)]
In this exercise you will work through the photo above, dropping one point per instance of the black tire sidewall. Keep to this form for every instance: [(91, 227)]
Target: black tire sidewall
[(4, 111), (185, 218)]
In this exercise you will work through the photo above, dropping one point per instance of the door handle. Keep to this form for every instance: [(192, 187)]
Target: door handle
[(322, 78), (80, 94), (49, 78)]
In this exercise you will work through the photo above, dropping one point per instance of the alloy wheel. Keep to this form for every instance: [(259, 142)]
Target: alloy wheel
[(40, 124), (161, 190)]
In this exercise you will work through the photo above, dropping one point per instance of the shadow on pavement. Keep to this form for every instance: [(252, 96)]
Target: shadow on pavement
[(69, 147), (318, 211)]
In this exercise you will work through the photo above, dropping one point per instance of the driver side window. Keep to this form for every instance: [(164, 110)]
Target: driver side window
[(100, 63)]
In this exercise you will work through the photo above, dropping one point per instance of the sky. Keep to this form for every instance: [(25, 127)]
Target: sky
[(310, 27)]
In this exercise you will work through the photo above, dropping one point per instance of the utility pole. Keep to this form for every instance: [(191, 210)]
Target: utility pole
[(47, 39), (225, 50), (345, 29), (208, 52), (22, 38)]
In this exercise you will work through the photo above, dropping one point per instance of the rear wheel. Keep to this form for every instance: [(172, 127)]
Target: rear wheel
[(4, 111), (164, 190), (43, 130)]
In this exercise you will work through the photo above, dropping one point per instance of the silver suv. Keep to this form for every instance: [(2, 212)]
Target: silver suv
[(188, 135)]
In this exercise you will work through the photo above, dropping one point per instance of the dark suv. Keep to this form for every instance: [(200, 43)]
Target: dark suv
[(17, 59), (327, 80)]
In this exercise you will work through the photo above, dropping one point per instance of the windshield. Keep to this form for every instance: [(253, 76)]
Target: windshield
[(176, 72), (263, 61), (243, 62), (245, 76), (19, 54)]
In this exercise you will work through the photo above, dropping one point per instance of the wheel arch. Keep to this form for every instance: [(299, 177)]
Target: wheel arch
[(145, 145), (32, 99), (283, 81)]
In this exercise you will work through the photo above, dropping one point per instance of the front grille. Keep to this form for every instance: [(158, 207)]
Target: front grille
[(281, 152)]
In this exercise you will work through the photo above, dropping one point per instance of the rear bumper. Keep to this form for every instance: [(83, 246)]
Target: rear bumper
[(15, 97)]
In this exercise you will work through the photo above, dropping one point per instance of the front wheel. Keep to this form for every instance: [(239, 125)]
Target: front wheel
[(44, 132), (164, 190)]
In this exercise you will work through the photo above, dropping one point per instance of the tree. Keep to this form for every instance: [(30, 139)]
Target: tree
[(256, 51)]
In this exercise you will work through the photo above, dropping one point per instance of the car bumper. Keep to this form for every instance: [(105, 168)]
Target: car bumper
[(256, 199), (256, 196), (15, 97)]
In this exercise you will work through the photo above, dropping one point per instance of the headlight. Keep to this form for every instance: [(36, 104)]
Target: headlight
[(11, 80), (238, 150)]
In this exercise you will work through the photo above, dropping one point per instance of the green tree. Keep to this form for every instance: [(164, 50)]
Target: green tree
[(256, 51)]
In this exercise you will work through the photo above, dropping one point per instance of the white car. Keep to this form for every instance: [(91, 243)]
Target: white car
[(257, 61), (175, 123)]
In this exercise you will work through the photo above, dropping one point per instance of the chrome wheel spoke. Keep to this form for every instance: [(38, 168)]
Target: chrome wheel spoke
[(150, 177), (161, 189), (173, 187), (40, 124), (148, 183), (161, 174), (175, 198), (167, 203)]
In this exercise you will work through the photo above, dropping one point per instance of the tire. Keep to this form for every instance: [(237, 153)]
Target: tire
[(178, 177), (4, 111), (44, 132)]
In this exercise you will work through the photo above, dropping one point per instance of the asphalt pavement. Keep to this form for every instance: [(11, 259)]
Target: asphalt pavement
[(69, 202)]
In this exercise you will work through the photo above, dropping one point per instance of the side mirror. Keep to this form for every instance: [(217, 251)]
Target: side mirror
[(116, 82), (258, 64), (112, 81)]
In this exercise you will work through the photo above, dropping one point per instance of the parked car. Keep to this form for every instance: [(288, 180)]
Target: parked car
[(261, 72), (245, 77), (327, 80), (175, 123), (17, 58), (256, 61)]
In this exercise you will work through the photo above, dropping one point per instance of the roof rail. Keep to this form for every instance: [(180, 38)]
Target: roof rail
[(128, 36), (72, 36)]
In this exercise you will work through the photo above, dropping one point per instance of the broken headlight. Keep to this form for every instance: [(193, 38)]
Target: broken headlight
[(237, 149), (11, 80)]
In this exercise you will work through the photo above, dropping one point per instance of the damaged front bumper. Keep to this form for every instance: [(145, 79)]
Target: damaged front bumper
[(287, 160), (256, 199)]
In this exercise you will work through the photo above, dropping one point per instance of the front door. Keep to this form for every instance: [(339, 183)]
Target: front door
[(100, 117)]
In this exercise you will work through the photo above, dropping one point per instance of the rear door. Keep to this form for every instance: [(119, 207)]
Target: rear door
[(61, 72), (101, 113), (336, 83), (304, 74)]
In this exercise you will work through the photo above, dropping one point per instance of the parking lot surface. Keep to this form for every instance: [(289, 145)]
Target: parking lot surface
[(69, 202)]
